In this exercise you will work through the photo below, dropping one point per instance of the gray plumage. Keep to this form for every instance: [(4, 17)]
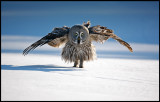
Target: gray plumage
[(78, 42)]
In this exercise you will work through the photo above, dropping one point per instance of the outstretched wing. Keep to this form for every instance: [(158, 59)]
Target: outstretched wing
[(100, 34), (55, 38)]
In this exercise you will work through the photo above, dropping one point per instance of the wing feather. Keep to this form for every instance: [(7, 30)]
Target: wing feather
[(55, 34), (101, 33), (87, 24)]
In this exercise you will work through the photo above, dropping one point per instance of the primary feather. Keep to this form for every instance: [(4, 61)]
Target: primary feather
[(101, 33), (56, 34)]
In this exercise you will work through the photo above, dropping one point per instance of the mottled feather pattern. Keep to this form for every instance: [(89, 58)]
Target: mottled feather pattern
[(61, 31), (86, 24), (122, 42), (58, 42), (105, 34), (98, 38), (40, 42), (72, 52), (55, 34)]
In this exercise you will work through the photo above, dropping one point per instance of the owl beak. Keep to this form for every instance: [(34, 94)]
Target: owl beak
[(78, 40)]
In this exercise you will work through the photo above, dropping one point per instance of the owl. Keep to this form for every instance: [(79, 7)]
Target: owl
[(78, 42)]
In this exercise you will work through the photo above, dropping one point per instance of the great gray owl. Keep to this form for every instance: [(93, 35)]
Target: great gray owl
[(78, 42)]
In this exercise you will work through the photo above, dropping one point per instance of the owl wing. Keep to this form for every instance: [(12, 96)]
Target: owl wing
[(100, 34), (55, 38)]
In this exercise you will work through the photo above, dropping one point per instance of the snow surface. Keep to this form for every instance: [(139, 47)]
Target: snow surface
[(47, 77)]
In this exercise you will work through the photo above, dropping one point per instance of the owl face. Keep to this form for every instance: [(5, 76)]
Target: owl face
[(79, 34)]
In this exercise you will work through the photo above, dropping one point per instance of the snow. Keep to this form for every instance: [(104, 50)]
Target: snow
[(48, 78)]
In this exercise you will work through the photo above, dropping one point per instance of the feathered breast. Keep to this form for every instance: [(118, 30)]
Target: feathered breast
[(72, 52)]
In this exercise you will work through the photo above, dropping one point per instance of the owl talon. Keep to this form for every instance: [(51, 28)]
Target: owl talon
[(81, 67), (75, 66), (76, 63)]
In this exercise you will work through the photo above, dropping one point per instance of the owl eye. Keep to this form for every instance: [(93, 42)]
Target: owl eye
[(82, 33), (75, 34)]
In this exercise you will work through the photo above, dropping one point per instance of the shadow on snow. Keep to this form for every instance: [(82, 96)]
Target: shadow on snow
[(45, 68)]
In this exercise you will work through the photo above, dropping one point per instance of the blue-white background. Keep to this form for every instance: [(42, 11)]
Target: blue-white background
[(136, 22)]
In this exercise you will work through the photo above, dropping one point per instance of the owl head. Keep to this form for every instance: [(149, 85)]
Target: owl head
[(78, 34)]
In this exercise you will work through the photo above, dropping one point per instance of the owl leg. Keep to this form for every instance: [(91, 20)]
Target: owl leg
[(76, 63), (81, 63)]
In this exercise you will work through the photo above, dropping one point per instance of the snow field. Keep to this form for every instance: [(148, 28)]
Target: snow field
[(46, 77)]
